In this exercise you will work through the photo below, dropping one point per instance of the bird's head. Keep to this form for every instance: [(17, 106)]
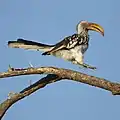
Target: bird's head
[(84, 27)]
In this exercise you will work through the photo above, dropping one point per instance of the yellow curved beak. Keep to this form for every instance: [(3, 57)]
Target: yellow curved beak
[(95, 27)]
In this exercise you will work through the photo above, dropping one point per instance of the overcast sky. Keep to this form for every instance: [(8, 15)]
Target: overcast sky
[(49, 21)]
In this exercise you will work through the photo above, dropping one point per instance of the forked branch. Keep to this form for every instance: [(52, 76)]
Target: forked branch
[(53, 75)]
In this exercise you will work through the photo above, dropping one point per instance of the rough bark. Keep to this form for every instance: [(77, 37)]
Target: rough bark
[(53, 75)]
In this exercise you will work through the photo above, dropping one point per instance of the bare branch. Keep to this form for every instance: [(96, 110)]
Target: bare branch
[(54, 74), (26, 92), (67, 74)]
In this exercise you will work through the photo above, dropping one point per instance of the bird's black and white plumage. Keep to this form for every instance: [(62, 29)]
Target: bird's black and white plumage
[(71, 48)]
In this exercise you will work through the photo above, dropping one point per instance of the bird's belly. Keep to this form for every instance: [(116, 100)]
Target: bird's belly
[(65, 54), (71, 54), (77, 52)]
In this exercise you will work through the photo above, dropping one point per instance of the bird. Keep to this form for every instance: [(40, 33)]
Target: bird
[(71, 48)]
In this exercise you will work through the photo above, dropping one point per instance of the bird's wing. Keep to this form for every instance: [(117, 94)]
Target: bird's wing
[(67, 43)]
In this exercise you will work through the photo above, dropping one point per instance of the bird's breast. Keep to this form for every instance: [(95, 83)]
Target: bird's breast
[(80, 49), (83, 48)]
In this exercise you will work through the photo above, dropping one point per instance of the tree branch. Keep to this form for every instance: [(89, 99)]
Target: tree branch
[(26, 92), (67, 74), (54, 75)]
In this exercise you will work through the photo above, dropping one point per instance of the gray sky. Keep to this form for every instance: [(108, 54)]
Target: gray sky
[(49, 21)]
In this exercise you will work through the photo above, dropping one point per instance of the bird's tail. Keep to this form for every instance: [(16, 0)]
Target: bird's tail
[(26, 44)]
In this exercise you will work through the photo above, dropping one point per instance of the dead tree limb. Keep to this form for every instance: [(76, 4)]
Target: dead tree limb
[(26, 92), (53, 75)]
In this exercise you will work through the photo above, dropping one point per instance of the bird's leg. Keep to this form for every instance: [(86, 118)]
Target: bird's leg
[(79, 61), (88, 66)]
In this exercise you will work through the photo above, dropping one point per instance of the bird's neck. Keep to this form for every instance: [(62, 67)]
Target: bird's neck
[(82, 32)]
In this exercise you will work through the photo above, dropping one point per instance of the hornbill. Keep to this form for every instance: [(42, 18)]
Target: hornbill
[(71, 48)]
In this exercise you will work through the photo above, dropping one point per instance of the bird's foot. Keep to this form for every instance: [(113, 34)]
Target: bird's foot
[(88, 66)]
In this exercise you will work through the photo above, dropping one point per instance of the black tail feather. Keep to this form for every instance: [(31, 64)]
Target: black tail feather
[(28, 42)]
